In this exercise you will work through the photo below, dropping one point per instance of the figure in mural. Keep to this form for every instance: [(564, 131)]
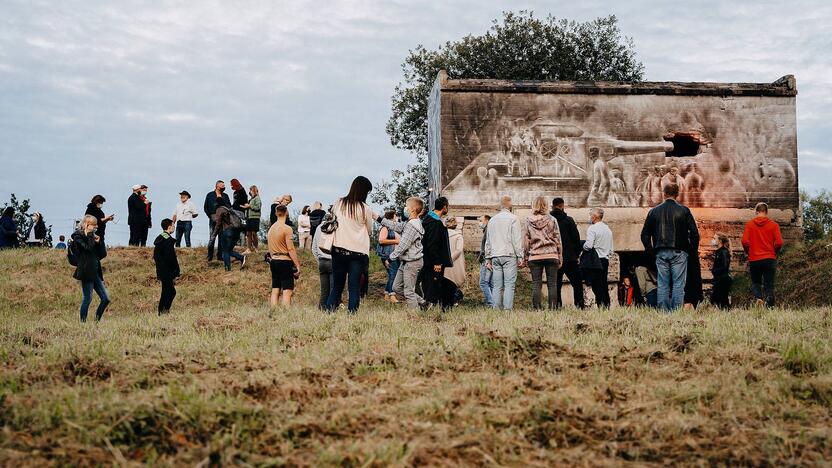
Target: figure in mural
[(617, 192), (642, 194), (694, 184), (483, 183), (530, 154), (671, 176), (774, 176), (726, 189), (515, 150), (656, 196), (599, 188)]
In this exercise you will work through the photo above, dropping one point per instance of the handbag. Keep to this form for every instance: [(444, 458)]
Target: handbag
[(328, 227)]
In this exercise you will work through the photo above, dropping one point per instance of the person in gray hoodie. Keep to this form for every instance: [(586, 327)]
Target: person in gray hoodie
[(543, 251), (408, 252)]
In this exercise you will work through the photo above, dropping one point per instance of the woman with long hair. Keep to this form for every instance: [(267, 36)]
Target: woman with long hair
[(240, 197), (304, 229), (351, 243), (721, 270), (543, 251), (253, 211), (37, 231)]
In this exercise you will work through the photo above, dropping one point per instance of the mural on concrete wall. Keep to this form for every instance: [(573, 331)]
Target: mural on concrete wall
[(619, 150)]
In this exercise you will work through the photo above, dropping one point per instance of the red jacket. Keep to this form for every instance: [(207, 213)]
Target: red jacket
[(761, 239)]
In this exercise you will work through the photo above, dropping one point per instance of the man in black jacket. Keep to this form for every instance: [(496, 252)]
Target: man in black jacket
[(214, 199), (316, 216), (167, 266), (436, 250), (670, 231), (571, 251), (138, 216)]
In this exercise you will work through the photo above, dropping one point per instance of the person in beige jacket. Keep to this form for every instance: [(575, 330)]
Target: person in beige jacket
[(455, 274), (542, 251)]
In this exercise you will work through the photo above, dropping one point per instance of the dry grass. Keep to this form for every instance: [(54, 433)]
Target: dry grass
[(223, 380)]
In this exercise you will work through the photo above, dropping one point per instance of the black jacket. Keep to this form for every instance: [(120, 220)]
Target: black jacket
[(722, 263), (40, 230), (569, 235), (273, 217), (670, 226), (435, 244), (164, 255), (589, 260), (94, 210), (88, 253), (137, 214), (212, 201), (315, 219), (240, 199)]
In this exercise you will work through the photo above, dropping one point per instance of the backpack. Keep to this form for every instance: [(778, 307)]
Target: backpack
[(71, 255), (384, 251), (236, 219)]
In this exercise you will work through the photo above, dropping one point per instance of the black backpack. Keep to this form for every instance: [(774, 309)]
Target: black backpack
[(71, 255)]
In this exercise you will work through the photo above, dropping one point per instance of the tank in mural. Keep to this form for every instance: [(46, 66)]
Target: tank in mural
[(614, 145)]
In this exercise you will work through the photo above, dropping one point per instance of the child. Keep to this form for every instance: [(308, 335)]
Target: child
[(61, 245), (167, 266), (408, 252)]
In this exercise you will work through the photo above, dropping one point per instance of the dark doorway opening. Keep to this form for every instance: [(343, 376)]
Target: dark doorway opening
[(684, 144)]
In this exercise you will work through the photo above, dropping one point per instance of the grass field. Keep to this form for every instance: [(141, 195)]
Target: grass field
[(224, 380)]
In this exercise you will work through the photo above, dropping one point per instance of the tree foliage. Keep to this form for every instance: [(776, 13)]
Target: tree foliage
[(520, 46), (817, 215), (23, 218)]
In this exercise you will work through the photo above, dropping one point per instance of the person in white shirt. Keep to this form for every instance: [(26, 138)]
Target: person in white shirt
[(503, 254), (599, 238), (183, 216), (304, 229)]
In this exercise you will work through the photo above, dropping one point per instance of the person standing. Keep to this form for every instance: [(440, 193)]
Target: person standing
[(387, 241), (95, 208), (408, 253), (304, 229), (324, 267), (721, 271), (670, 232), (647, 284), (284, 200), (693, 280), (240, 197), (503, 254), (543, 251), (213, 200), (183, 218), (599, 238), (351, 243), (283, 263), (88, 251), (225, 230), (167, 265), (138, 215), (9, 232), (437, 251), (761, 240), (485, 273), (61, 245), (253, 212), (37, 231), (455, 275), (571, 241), (316, 217)]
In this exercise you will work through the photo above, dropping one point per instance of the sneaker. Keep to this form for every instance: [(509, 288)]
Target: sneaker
[(243, 261)]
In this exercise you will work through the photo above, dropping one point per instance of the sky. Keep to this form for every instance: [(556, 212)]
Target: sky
[(294, 95)]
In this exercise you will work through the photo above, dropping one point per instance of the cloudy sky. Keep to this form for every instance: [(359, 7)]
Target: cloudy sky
[(293, 95)]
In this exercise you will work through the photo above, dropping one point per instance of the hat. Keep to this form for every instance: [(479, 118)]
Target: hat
[(137, 187), (143, 186), (185, 192)]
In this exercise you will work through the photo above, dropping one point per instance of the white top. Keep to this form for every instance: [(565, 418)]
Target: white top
[(304, 225), (185, 211), (598, 237), (353, 234), (32, 235)]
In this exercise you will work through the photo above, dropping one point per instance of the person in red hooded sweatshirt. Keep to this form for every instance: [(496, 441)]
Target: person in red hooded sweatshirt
[(761, 240)]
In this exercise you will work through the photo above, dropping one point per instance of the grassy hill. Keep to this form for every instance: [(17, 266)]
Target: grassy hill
[(225, 380)]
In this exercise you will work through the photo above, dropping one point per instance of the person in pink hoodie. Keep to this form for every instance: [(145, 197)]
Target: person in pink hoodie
[(761, 240), (543, 251)]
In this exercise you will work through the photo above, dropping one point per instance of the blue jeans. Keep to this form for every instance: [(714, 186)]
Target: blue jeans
[(485, 285), (227, 247), (503, 277), (183, 228), (346, 270), (391, 275), (672, 266), (87, 287)]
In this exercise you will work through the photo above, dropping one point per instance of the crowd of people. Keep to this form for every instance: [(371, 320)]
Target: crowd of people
[(423, 252)]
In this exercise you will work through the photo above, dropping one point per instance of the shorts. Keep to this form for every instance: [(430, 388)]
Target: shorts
[(282, 275), (253, 225)]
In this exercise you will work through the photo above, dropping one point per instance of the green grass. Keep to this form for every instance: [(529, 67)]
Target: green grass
[(225, 380)]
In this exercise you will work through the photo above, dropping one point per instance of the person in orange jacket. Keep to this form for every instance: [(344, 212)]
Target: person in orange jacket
[(761, 240)]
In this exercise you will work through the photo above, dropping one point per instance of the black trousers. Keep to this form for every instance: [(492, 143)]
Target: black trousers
[(138, 232), (762, 274), (433, 284), (573, 273), (598, 281), (168, 293), (721, 291)]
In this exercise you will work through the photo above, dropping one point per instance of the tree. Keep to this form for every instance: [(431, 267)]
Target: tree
[(24, 219), (520, 47), (817, 215)]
